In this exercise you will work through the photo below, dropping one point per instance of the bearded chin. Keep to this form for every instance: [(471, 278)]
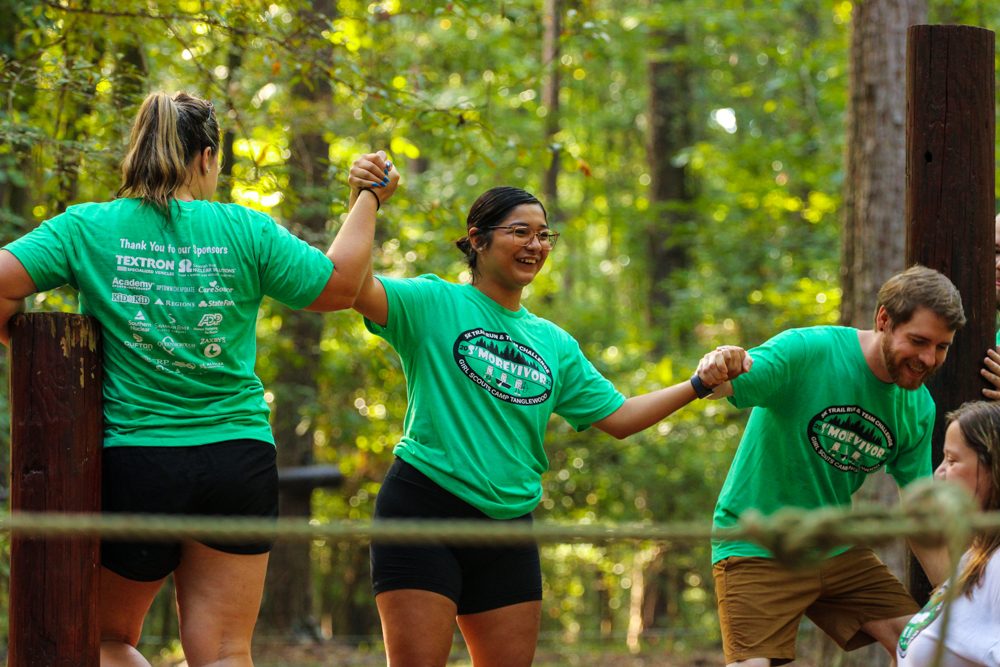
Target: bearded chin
[(895, 373)]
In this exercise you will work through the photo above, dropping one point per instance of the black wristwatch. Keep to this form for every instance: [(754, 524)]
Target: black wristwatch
[(700, 388)]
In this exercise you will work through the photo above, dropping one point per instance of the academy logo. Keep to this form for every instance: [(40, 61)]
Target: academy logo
[(850, 438), (508, 370)]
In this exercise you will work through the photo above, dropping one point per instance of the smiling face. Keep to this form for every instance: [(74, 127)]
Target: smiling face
[(914, 350), (505, 265), (961, 465)]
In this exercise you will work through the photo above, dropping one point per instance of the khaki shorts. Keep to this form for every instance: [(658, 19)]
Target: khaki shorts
[(761, 602)]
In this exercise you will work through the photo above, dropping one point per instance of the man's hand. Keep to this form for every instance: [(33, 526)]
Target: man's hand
[(991, 371), (724, 363)]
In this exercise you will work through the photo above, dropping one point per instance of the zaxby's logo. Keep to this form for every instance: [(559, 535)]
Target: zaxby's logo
[(507, 369), (850, 438)]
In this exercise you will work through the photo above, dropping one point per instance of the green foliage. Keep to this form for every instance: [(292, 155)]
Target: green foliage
[(453, 91)]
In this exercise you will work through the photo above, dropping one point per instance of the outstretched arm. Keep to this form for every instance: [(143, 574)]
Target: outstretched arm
[(641, 412), (351, 249), (15, 286)]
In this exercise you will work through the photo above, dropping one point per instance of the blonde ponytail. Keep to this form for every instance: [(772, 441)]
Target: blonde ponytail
[(167, 134)]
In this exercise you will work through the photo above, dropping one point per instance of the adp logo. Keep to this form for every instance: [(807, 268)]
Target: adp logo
[(850, 438), (507, 369), (210, 320)]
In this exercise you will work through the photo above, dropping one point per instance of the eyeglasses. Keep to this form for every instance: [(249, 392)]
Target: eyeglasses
[(524, 235)]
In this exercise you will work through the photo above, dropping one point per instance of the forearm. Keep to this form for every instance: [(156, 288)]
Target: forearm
[(641, 412), (350, 253), (351, 250), (8, 308), (934, 560)]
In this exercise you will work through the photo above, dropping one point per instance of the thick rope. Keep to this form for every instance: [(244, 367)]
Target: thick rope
[(935, 513)]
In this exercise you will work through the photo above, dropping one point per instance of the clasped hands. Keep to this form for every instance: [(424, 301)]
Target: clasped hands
[(723, 364)]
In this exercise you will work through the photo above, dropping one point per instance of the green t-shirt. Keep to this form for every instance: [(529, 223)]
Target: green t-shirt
[(481, 383), (821, 422), (177, 303)]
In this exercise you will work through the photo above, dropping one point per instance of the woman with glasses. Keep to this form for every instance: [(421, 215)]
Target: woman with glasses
[(483, 376), (175, 281)]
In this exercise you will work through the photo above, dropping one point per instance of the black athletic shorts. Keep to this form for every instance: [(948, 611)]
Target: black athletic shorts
[(476, 578), (229, 478)]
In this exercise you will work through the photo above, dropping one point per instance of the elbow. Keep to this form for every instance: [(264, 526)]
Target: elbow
[(331, 303), (618, 432), (338, 294)]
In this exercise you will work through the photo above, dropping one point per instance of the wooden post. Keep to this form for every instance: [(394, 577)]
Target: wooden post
[(950, 138), (56, 435)]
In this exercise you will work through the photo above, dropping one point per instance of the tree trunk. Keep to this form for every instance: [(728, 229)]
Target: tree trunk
[(288, 601), (670, 132), (874, 232), (874, 237), (552, 18)]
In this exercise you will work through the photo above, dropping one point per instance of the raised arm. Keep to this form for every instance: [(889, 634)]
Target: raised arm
[(641, 412), (15, 286), (373, 180)]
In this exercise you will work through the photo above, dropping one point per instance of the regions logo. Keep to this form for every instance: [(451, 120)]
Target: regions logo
[(850, 438), (508, 370)]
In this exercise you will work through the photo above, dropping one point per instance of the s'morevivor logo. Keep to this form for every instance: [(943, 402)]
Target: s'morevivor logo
[(850, 438), (509, 370)]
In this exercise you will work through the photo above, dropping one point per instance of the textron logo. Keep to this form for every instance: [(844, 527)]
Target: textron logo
[(508, 370), (850, 438)]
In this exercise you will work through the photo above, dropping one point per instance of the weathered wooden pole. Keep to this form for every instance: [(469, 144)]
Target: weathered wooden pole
[(950, 175), (56, 434)]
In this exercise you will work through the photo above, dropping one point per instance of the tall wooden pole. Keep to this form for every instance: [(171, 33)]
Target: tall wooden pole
[(56, 434), (950, 175)]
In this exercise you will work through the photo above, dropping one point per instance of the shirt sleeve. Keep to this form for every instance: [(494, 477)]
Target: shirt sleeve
[(291, 270), (584, 396), (913, 461), (408, 302), (44, 254), (773, 373)]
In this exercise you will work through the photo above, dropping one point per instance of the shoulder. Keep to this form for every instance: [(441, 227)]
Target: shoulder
[(427, 284), (236, 212), (553, 331), (813, 338)]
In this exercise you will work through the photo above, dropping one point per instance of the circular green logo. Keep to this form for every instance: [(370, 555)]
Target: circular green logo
[(850, 438), (507, 369)]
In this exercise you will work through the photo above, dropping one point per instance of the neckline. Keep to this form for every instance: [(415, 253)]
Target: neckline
[(493, 305)]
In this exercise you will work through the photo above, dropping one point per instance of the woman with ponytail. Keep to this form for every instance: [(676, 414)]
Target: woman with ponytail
[(972, 460), (175, 281), (483, 377)]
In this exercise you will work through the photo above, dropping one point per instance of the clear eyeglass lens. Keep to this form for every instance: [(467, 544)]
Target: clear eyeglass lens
[(525, 235)]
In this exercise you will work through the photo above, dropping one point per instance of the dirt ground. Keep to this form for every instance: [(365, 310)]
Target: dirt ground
[(333, 654), (343, 656)]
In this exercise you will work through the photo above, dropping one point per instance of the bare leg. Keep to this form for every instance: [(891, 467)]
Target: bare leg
[(418, 627), (218, 599), (887, 631), (751, 662), (123, 605), (504, 637)]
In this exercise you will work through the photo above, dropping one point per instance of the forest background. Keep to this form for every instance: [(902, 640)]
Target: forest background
[(716, 168)]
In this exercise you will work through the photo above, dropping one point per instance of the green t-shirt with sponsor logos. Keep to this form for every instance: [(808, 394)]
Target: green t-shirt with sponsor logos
[(482, 382), (821, 423), (177, 303)]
